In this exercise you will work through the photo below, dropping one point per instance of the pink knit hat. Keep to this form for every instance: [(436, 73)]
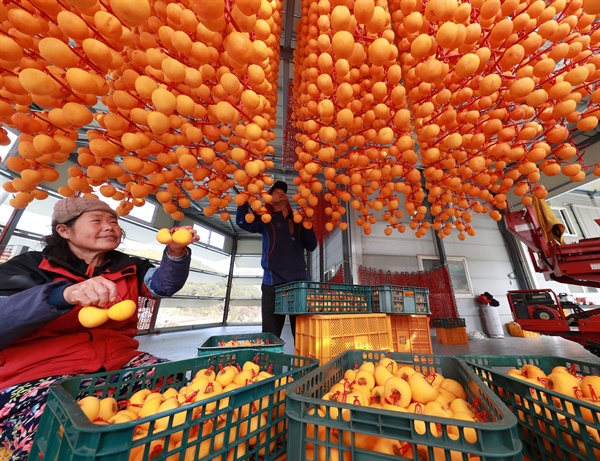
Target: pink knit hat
[(72, 207)]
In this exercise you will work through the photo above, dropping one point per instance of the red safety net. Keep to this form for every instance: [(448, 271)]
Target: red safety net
[(442, 301)]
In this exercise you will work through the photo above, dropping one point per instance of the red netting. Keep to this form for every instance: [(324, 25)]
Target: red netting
[(320, 219), (339, 276), (442, 301), (288, 156)]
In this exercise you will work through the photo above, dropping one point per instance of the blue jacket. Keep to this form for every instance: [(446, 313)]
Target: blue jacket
[(283, 245)]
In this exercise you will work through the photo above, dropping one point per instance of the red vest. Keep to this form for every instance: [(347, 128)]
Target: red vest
[(64, 346)]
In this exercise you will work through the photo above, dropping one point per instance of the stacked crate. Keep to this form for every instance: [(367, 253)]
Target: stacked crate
[(407, 309), (332, 318), (450, 330)]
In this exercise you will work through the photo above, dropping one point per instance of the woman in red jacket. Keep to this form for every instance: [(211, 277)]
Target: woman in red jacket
[(41, 338)]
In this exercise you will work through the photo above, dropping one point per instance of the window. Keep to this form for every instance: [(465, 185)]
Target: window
[(209, 237), (563, 216), (144, 213), (459, 274)]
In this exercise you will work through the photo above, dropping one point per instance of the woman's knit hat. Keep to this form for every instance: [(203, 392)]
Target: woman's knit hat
[(72, 207)]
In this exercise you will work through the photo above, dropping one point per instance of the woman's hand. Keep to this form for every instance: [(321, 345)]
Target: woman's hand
[(96, 291), (178, 250)]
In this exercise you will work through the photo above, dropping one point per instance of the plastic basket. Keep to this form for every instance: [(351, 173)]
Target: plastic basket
[(448, 322), (452, 335), (322, 298), (324, 336), (393, 299), (259, 341), (65, 433), (338, 431), (551, 425), (411, 333)]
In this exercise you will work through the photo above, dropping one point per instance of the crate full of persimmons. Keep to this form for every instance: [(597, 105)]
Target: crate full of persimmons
[(556, 401), (221, 344), (376, 406), (222, 406)]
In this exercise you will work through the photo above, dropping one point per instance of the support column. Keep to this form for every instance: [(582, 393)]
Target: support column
[(229, 281), (523, 281), (10, 227)]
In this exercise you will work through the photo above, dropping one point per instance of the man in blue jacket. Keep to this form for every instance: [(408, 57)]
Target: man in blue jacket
[(283, 260)]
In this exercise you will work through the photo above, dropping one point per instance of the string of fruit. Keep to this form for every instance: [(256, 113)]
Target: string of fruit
[(455, 102), (389, 385), (565, 381), (93, 316), (206, 385), (483, 96), (189, 88)]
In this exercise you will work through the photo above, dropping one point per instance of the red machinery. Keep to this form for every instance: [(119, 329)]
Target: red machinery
[(541, 311), (573, 263)]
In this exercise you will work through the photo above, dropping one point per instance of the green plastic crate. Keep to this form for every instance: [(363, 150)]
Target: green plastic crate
[(497, 439), (65, 433), (551, 425), (216, 344), (322, 298), (392, 299)]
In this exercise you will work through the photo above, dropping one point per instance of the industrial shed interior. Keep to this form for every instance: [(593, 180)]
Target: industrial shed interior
[(390, 220)]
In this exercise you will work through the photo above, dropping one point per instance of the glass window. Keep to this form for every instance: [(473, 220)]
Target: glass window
[(209, 237), (459, 274), (563, 216)]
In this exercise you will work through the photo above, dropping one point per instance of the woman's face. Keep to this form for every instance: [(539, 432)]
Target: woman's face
[(93, 231)]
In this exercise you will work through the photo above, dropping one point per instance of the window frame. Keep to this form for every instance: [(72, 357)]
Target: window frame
[(467, 290), (562, 214)]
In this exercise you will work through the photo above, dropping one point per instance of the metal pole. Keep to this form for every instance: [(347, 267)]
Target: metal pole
[(229, 281), (10, 227), (321, 262), (523, 282), (346, 253)]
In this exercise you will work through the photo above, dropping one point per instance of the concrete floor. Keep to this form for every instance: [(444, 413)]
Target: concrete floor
[(183, 345)]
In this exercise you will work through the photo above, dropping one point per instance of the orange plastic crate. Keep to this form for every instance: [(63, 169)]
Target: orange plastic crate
[(325, 336), (411, 333), (452, 335)]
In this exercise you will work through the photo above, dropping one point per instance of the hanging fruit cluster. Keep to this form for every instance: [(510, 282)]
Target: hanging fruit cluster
[(189, 89), (456, 102), (396, 103)]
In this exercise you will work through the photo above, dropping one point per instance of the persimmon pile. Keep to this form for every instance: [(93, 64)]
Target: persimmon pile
[(400, 107), (584, 389), (388, 385), (198, 399)]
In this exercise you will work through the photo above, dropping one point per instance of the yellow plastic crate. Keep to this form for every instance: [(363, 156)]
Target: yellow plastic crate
[(411, 333), (452, 335), (325, 336)]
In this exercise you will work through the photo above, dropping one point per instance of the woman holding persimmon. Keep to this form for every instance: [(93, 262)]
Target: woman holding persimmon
[(41, 294)]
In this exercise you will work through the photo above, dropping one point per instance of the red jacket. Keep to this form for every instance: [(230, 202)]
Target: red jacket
[(50, 341), (63, 346)]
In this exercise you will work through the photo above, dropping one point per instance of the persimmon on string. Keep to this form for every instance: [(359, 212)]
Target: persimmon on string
[(200, 82), (395, 103)]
